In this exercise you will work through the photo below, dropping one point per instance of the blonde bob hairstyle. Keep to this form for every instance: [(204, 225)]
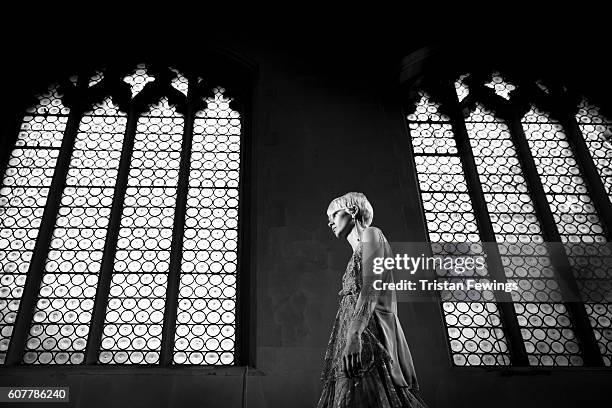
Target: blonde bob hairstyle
[(366, 212)]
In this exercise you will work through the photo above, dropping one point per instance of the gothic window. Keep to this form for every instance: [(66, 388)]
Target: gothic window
[(119, 234), (474, 327), (524, 165)]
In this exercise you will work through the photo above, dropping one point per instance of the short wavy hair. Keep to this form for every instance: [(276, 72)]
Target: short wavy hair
[(366, 212)]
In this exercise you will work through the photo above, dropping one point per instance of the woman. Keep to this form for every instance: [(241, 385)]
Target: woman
[(367, 362)]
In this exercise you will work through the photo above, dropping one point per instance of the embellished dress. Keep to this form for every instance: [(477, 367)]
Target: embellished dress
[(386, 378)]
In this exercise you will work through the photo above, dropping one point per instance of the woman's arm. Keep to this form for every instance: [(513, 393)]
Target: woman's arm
[(368, 298)]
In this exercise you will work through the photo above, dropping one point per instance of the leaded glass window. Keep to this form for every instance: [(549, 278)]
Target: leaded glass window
[(474, 327), (25, 188), (135, 257), (502, 160)]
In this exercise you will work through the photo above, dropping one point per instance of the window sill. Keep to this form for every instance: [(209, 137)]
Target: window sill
[(532, 371), (225, 371)]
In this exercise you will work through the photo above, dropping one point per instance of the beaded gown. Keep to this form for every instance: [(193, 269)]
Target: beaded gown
[(386, 378)]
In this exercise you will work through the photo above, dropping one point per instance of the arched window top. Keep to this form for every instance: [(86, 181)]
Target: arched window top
[(49, 103), (434, 133), (180, 83), (536, 115), (427, 110), (218, 106), (162, 109), (500, 85), (143, 85), (138, 79), (481, 114), (461, 87), (589, 113), (106, 108)]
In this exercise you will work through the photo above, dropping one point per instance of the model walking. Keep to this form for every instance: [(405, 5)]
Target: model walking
[(367, 362)]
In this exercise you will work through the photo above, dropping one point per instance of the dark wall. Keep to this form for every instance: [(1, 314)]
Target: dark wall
[(327, 119)]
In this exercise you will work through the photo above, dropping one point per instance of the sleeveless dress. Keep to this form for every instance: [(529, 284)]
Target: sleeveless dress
[(386, 378)]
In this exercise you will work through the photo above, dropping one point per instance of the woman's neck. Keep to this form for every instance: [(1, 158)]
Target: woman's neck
[(354, 236)]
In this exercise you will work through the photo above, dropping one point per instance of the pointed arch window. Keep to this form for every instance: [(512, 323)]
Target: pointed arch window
[(524, 165), (121, 213)]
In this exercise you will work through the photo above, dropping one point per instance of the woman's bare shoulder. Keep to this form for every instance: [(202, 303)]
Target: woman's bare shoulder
[(371, 234)]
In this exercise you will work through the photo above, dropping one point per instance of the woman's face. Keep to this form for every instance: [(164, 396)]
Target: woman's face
[(341, 223)]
